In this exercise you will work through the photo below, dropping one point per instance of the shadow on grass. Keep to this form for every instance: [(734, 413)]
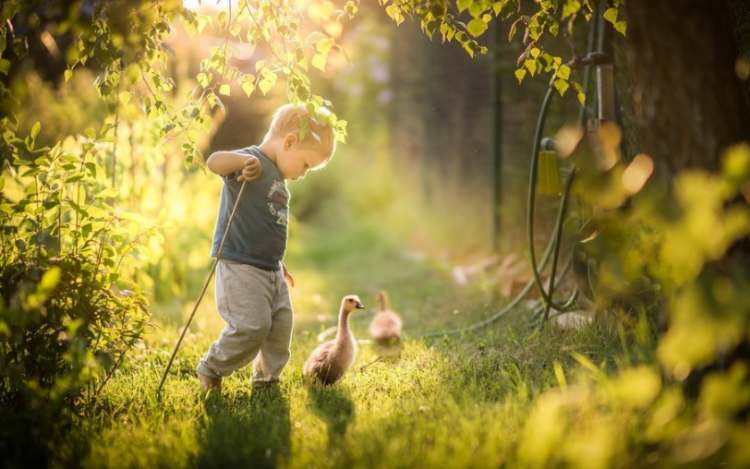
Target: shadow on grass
[(335, 408), (247, 430)]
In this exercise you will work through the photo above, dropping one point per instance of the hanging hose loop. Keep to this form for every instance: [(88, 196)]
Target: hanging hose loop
[(531, 199)]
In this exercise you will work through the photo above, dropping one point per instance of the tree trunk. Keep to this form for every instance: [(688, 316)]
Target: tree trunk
[(689, 104)]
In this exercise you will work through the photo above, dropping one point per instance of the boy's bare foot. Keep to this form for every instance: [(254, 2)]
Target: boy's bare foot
[(208, 382)]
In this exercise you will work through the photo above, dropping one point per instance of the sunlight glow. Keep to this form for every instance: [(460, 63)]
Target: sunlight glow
[(610, 134), (637, 173), (607, 154), (742, 68), (567, 139), (209, 4)]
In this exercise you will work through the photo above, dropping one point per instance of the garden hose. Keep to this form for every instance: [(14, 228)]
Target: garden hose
[(531, 201), (205, 287), (522, 294)]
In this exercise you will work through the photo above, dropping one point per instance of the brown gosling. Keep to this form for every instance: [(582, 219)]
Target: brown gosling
[(386, 325), (328, 363)]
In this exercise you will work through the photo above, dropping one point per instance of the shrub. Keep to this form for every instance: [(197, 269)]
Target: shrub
[(66, 319)]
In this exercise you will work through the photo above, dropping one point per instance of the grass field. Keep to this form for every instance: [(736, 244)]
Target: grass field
[(461, 401)]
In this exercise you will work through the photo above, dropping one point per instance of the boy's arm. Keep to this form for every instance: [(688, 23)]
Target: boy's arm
[(225, 162)]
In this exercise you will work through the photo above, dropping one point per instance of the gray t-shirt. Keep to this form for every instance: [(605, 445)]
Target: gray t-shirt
[(259, 230)]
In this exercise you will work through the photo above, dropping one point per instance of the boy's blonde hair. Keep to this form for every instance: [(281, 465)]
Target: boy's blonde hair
[(288, 119)]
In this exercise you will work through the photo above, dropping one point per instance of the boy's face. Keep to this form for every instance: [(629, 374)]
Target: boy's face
[(294, 160)]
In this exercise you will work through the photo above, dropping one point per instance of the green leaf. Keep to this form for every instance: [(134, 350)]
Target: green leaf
[(476, 9), (476, 27), (621, 27), (520, 73), (350, 8), (563, 72), (512, 31), (107, 193), (581, 95), (265, 85), (324, 45), (248, 86), (79, 195), (531, 66), (4, 66), (319, 61), (90, 133), (35, 130), (611, 15), (224, 90), (124, 97), (50, 279), (202, 79), (68, 75), (570, 8), (586, 363), (463, 5), (561, 86), (96, 212)]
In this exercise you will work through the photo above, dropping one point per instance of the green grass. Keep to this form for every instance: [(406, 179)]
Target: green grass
[(458, 402)]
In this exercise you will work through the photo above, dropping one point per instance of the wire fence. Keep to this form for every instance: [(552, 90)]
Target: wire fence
[(462, 131)]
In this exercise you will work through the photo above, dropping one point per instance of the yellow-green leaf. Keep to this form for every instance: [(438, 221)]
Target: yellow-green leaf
[(265, 85), (531, 66), (561, 86), (611, 15), (319, 61), (563, 72), (124, 97), (520, 73), (476, 27), (224, 90), (50, 279), (248, 87), (35, 130), (324, 45)]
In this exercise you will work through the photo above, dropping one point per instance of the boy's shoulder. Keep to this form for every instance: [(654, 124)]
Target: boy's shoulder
[(255, 151)]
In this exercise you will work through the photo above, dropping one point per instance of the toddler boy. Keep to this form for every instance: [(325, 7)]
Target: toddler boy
[(252, 296)]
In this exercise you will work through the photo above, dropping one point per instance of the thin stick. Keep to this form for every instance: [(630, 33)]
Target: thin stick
[(374, 361), (205, 286)]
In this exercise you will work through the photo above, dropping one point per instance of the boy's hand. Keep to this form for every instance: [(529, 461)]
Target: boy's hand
[(251, 170), (287, 275)]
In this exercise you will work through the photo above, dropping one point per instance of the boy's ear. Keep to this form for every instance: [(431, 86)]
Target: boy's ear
[(289, 140)]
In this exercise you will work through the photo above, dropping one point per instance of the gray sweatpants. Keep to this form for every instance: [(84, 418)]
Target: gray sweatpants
[(256, 307)]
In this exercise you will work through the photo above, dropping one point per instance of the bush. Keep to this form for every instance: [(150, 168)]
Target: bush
[(65, 320)]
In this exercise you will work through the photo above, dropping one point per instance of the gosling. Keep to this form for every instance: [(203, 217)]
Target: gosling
[(328, 363), (386, 325)]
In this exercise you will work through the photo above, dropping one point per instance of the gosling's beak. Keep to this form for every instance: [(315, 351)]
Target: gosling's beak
[(360, 305)]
